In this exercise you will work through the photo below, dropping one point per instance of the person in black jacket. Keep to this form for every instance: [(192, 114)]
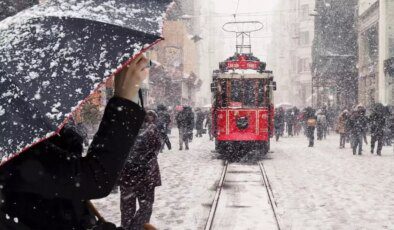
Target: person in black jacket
[(140, 176), (377, 123), (163, 125), (49, 186), (358, 126), (185, 122)]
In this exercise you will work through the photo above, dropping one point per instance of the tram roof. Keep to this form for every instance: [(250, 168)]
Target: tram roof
[(264, 75)]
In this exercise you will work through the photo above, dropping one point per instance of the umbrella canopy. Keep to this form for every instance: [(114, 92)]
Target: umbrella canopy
[(53, 56), (285, 105)]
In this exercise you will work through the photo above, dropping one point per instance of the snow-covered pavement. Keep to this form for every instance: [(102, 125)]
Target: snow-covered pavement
[(328, 188), (189, 179), (315, 188)]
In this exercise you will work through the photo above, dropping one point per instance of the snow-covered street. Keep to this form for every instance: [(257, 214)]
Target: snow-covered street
[(315, 188), (189, 184), (328, 188)]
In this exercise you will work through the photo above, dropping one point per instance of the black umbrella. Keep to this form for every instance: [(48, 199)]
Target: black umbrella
[(53, 56)]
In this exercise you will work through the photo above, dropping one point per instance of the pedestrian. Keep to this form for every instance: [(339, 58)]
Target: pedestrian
[(163, 125), (341, 128), (278, 123), (299, 124), (208, 124), (310, 121), (388, 129), (377, 124), (321, 125), (200, 117), (185, 123), (290, 120), (140, 176), (297, 121), (358, 127), (49, 186)]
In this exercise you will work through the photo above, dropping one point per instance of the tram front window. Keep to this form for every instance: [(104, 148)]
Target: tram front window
[(243, 93), (249, 99), (236, 92)]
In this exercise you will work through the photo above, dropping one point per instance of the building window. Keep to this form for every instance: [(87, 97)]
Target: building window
[(303, 65), (304, 38), (391, 47), (304, 12)]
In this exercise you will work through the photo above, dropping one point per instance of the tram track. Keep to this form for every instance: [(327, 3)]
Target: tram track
[(270, 193), (219, 188), (250, 171)]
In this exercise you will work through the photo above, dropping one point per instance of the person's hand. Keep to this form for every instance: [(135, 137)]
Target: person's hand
[(129, 81)]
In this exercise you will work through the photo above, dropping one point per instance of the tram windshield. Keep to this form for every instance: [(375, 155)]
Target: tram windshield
[(245, 93)]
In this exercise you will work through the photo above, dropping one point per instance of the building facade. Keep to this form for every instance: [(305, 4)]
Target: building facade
[(376, 51), (335, 54), (293, 33)]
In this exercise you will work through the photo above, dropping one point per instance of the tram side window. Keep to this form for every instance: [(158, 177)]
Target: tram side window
[(223, 93), (250, 93), (236, 91), (261, 93)]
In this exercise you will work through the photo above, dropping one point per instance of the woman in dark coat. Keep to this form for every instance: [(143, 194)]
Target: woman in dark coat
[(49, 185), (140, 176)]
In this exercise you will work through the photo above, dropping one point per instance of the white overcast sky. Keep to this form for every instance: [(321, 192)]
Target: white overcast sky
[(256, 10)]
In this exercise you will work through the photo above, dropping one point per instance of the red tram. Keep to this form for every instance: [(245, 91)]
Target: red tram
[(242, 110)]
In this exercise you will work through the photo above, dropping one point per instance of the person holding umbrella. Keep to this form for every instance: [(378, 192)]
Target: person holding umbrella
[(140, 176), (61, 52), (48, 186)]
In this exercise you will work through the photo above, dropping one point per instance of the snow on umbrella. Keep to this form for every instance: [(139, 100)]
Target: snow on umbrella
[(53, 56)]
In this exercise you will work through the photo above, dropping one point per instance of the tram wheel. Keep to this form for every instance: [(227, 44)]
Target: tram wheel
[(264, 148)]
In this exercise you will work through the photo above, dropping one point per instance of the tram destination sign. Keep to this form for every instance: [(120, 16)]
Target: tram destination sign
[(255, 65)]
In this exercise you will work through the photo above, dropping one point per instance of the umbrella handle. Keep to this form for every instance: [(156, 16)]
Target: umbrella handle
[(141, 98), (93, 209)]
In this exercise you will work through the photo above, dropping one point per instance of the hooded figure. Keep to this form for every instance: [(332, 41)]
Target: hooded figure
[(140, 176)]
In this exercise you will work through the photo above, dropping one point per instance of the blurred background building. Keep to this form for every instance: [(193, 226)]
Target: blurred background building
[(335, 53), (293, 33), (376, 51)]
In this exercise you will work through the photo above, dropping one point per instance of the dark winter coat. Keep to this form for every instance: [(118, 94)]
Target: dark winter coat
[(163, 121), (185, 119), (377, 122), (358, 123), (278, 121), (290, 118), (142, 168), (208, 121), (200, 117), (48, 186)]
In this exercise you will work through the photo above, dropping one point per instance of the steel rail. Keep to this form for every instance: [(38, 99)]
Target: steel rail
[(270, 193), (212, 212)]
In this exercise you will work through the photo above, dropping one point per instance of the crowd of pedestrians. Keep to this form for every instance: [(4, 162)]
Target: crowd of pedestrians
[(353, 125)]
